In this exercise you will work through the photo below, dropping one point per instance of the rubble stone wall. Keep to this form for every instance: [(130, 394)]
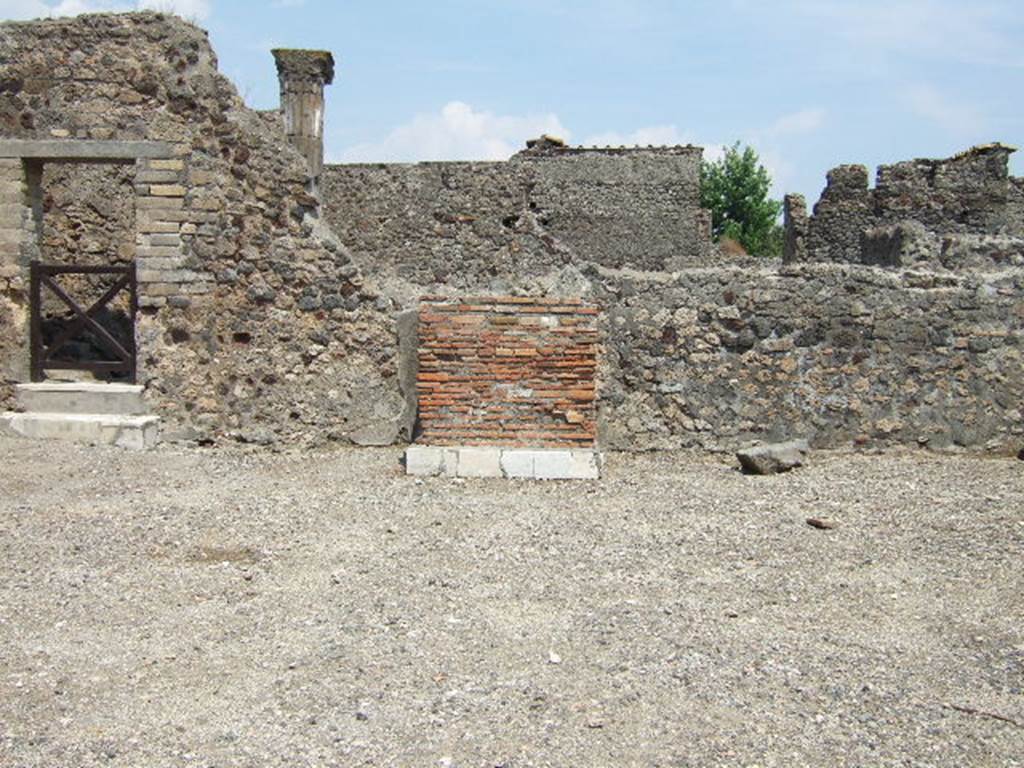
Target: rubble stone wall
[(255, 322), (265, 319), (920, 212), (466, 224), (838, 354)]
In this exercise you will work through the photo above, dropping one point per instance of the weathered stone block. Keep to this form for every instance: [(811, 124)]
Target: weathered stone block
[(566, 465), (167, 190), (479, 462), (158, 251), (158, 239), (773, 458), (517, 464), (148, 226), (132, 432), (424, 460), (154, 206), (165, 165)]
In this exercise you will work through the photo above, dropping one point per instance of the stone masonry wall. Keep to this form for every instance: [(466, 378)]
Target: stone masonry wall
[(471, 224), (507, 371), (259, 320), (840, 355), (88, 213), (255, 322), (945, 214)]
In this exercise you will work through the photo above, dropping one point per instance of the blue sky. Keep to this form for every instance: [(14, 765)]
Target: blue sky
[(810, 84)]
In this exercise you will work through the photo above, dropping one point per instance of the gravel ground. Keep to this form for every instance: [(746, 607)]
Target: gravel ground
[(224, 607)]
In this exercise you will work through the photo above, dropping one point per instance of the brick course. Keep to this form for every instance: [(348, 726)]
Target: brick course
[(508, 371)]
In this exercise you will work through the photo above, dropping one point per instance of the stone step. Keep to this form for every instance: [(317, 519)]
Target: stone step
[(500, 461), (126, 431), (84, 397)]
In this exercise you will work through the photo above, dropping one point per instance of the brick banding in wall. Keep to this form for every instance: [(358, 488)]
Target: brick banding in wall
[(515, 371)]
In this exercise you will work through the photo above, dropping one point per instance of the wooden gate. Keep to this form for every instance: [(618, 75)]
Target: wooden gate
[(118, 355)]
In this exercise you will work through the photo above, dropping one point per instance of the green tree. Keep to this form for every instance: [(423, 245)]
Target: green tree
[(735, 190)]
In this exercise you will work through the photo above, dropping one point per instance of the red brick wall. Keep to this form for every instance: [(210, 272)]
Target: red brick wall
[(507, 371)]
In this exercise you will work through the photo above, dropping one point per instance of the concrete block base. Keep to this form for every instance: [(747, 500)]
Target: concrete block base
[(134, 432), (81, 398), (497, 461)]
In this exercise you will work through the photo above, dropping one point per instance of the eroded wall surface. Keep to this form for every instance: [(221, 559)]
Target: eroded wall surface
[(957, 213), (838, 354), (464, 224), (256, 323), (261, 322)]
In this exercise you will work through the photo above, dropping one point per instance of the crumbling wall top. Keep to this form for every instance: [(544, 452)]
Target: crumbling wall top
[(552, 146)]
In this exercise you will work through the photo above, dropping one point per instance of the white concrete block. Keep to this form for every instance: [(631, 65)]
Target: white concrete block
[(517, 463), (424, 460), (450, 462), (496, 461), (133, 432), (430, 460), (567, 465), (479, 462), (81, 397)]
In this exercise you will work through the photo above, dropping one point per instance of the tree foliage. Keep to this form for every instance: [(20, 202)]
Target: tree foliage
[(735, 190)]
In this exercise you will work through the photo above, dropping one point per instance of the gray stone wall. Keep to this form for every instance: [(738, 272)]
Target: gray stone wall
[(255, 322), (966, 194), (1015, 207), (922, 213), (838, 354), (472, 224), (844, 211)]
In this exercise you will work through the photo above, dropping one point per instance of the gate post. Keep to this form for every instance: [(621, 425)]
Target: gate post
[(36, 328)]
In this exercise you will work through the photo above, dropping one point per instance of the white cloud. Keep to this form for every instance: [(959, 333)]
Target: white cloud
[(34, 9), (797, 123), (657, 135), (457, 132), (946, 29), (955, 117)]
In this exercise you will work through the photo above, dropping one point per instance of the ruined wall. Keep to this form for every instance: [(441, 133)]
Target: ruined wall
[(837, 354), (956, 213), (1015, 206), (88, 213), (471, 224), (844, 211), (256, 324), (508, 370), (261, 323)]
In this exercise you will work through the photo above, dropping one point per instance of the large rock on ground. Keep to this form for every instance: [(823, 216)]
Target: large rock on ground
[(773, 458)]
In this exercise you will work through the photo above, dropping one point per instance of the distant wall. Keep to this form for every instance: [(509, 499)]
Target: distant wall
[(923, 212), (463, 224)]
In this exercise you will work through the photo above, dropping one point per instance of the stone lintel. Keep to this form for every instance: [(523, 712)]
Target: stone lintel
[(83, 149), (500, 461)]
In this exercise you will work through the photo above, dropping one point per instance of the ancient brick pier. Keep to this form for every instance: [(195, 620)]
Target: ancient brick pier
[(507, 387)]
